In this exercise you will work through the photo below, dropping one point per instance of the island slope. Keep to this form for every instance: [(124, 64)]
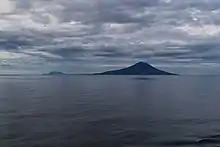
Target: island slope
[(140, 68)]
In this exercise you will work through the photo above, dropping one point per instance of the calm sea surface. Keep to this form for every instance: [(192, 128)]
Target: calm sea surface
[(110, 111)]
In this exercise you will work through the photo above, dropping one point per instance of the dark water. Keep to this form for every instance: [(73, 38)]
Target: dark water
[(108, 111)]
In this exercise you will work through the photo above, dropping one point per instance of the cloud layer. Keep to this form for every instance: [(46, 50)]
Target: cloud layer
[(80, 36)]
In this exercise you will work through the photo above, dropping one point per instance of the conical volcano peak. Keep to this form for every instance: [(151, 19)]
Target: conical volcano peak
[(141, 64), (140, 68)]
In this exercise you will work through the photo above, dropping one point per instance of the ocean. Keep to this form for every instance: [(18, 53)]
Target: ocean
[(109, 111)]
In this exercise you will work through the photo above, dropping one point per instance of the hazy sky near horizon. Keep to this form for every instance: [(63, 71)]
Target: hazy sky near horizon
[(80, 36)]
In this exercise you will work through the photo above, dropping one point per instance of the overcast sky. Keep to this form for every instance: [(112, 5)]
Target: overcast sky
[(81, 36)]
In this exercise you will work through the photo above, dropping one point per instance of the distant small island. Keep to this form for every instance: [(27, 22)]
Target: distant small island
[(140, 68), (54, 73)]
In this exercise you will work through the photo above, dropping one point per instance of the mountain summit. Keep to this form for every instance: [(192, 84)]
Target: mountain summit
[(140, 68)]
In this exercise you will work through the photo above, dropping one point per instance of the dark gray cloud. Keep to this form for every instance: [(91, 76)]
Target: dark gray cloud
[(90, 36)]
